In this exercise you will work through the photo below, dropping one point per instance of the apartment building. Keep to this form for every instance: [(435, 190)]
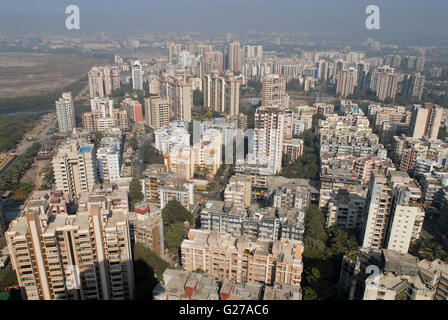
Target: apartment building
[(86, 256), (293, 148), (435, 273), (207, 153), (109, 160), (268, 138), (399, 277), (183, 285), (345, 84), (103, 80), (154, 177), (94, 121), (157, 112), (179, 93), (133, 109), (239, 191), (410, 150), (241, 260), (174, 134), (393, 215), (425, 121), (65, 113), (146, 227), (180, 162), (267, 223), (137, 75), (221, 93), (182, 193), (75, 167), (235, 57), (345, 210), (290, 193), (273, 91)]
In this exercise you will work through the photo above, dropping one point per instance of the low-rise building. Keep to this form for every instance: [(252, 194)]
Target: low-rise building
[(242, 260)]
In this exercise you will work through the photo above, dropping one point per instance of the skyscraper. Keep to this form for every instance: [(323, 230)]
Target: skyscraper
[(65, 113), (137, 75)]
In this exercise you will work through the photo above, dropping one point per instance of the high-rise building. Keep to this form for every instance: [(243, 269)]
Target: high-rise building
[(425, 121), (346, 82), (137, 75), (235, 56), (109, 160), (157, 112), (253, 51), (65, 113), (413, 85), (387, 86), (179, 93), (420, 63), (103, 80), (75, 168), (273, 91), (384, 82), (268, 138), (86, 256), (221, 93), (393, 214), (133, 108)]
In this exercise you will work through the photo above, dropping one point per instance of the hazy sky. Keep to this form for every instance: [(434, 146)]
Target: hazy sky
[(397, 16)]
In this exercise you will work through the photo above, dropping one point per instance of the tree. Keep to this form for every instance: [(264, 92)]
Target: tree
[(174, 212), (97, 139), (305, 166), (135, 193), (8, 278), (151, 155), (48, 180), (198, 98), (133, 143), (322, 255), (310, 294), (174, 215)]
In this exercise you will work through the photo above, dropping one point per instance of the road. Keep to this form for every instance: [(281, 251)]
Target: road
[(139, 164)]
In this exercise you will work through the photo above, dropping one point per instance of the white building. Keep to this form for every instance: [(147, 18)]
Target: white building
[(65, 113), (137, 75), (109, 162), (173, 135)]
